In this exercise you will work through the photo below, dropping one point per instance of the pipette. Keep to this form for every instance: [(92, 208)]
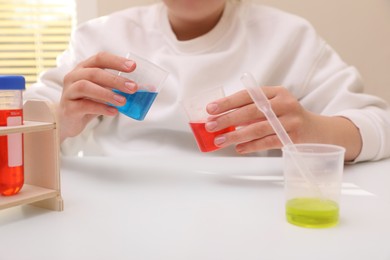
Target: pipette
[(263, 104)]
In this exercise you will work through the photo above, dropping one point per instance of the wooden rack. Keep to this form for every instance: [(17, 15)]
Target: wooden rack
[(41, 158)]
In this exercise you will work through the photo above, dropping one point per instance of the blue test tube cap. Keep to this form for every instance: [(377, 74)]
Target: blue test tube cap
[(12, 82)]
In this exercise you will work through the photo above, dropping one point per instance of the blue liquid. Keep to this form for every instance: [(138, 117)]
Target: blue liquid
[(137, 104)]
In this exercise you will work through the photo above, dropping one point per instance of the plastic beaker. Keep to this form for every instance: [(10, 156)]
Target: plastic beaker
[(303, 205), (149, 77), (195, 108)]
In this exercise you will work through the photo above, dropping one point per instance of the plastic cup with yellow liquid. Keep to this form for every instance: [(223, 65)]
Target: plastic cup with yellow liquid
[(312, 172), (303, 205)]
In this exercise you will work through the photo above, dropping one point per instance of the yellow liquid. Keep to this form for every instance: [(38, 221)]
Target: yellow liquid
[(312, 212)]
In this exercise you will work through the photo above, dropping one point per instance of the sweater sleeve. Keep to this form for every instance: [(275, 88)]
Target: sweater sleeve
[(336, 89)]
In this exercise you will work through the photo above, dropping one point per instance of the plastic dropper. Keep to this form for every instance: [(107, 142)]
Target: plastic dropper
[(264, 106)]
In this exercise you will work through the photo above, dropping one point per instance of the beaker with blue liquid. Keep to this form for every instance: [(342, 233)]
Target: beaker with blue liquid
[(149, 77)]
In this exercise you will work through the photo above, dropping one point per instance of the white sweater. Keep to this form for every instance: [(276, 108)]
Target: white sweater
[(276, 47)]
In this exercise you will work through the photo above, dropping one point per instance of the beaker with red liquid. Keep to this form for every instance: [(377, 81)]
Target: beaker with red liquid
[(11, 145), (195, 108), (205, 139)]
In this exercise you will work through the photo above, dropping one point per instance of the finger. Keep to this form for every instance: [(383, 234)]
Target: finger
[(241, 116), (237, 100), (225, 104), (266, 143), (84, 89), (103, 78), (82, 107), (244, 134), (78, 113), (96, 69), (106, 60)]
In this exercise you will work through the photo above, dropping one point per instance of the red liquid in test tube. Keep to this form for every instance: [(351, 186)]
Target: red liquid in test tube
[(11, 145)]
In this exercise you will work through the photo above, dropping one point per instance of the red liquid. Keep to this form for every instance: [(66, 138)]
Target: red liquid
[(205, 139), (11, 177)]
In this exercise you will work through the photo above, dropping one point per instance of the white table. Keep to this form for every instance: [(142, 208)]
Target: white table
[(148, 208)]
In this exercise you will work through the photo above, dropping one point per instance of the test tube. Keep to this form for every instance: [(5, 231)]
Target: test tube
[(11, 145)]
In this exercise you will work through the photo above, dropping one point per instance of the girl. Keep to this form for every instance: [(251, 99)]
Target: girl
[(204, 44)]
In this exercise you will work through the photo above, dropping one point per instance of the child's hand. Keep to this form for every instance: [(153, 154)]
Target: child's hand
[(253, 132), (88, 89)]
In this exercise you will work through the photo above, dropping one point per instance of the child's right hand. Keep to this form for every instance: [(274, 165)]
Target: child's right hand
[(88, 90)]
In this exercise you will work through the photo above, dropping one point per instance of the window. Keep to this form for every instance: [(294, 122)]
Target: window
[(32, 34)]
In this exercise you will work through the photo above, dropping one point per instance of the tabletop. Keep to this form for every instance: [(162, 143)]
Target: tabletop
[(148, 208)]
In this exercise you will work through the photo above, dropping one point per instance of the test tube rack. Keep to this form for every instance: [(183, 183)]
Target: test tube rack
[(41, 158)]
